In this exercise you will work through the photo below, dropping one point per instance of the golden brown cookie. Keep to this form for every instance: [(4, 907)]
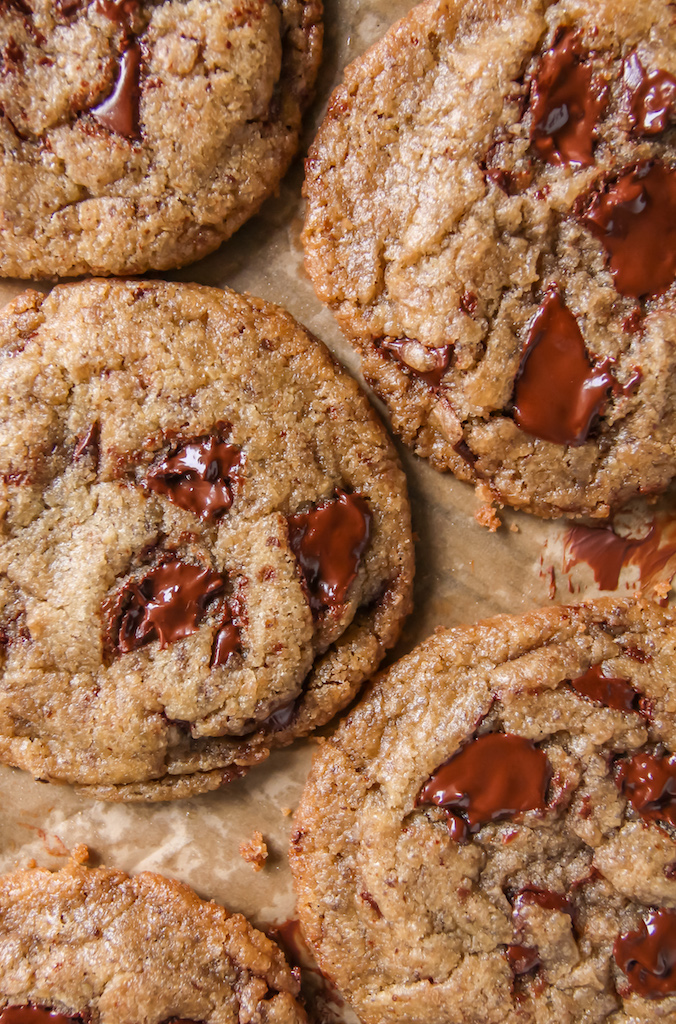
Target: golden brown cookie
[(490, 836), (206, 544), (492, 218), (99, 947), (139, 135)]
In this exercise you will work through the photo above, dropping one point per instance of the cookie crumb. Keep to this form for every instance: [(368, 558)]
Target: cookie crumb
[(513, 528), (255, 852), (80, 853), (488, 517), (287, 811)]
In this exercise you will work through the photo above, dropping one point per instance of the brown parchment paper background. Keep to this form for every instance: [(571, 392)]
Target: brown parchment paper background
[(464, 573)]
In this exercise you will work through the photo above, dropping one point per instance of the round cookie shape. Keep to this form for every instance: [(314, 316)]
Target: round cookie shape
[(139, 135), (491, 216), (206, 543), (490, 835), (97, 945)]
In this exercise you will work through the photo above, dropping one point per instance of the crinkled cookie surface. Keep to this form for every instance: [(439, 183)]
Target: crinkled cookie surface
[(492, 218), (99, 947), (139, 134), (206, 542), (489, 837)]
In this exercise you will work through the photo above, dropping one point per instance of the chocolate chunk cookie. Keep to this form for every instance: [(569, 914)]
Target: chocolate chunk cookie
[(139, 134), (205, 546), (98, 947), (490, 836), (492, 218)]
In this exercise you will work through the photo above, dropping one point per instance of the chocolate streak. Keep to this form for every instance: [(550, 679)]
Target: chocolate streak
[(558, 392), (119, 112), (565, 103), (648, 955), (634, 217), (329, 541), (494, 776), (434, 360)]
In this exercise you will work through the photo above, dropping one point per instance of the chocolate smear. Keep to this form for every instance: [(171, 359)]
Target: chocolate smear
[(493, 777), (36, 1015), (611, 691), (649, 783), (648, 955), (565, 103), (522, 959), (329, 540), (429, 364), (167, 604), (120, 111), (558, 392), (199, 477), (652, 97), (633, 214)]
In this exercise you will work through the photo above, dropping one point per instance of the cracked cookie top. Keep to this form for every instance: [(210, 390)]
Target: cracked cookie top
[(492, 218), (98, 947), (139, 135), (490, 835), (205, 540)]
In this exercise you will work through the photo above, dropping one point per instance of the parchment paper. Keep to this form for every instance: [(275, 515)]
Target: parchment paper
[(464, 573)]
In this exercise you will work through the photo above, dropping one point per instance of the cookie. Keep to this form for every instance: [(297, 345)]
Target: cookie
[(206, 544), (490, 836), (99, 947), (138, 135), (492, 218)]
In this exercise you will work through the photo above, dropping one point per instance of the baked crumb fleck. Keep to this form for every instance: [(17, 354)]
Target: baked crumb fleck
[(488, 517), (255, 852)]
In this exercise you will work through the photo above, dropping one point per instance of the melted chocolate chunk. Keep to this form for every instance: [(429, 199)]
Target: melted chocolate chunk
[(433, 362), (120, 111), (522, 959), (634, 217), (611, 691), (652, 97), (120, 12), (226, 643), (89, 443), (648, 955), (649, 783), (494, 776), (167, 604), (36, 1015), (545, 898), (558, 392), (329, 541), (199, 477), (565, 103)]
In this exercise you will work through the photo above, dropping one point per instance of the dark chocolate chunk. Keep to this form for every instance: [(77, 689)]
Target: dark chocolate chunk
[(36, 1015), (433, 362), (611, 691), (199, 477), (648, 955), (167, 604), (558, 392), (119, 112), (649, 783), (522, 959), (652, 97), (329, 541), (494, 776), (565, 103), (633, 215)]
